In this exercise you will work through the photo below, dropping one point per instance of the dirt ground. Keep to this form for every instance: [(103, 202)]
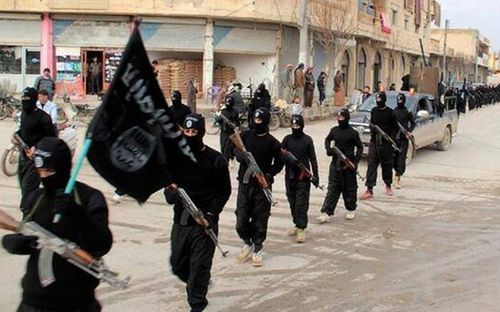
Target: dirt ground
[(433, 246)]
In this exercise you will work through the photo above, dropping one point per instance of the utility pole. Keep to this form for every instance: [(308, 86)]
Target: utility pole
[(445, 71), (304, 33)]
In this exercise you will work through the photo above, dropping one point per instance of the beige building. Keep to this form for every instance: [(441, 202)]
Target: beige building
[(257, 38), (469, 56)]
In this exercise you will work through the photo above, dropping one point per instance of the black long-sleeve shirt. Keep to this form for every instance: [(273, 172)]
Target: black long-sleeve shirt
[(35, 126), (302, 147), (265, 149), (386, 120), (207, 183), (346, 139), (233, 116), (73, 288), (405, 118)]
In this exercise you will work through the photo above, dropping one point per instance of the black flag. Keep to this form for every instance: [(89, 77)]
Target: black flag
[(134, 136)]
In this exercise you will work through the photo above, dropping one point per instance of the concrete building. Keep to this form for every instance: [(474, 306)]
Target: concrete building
[(470, 55), (257, 38)]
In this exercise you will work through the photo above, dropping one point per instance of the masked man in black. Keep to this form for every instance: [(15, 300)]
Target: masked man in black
[(342, 180), (297, 183), (208, 184), (252, 207), (179, 110), (380, 150), (231, 114), (406, 120), (84, 222), (35, 125)]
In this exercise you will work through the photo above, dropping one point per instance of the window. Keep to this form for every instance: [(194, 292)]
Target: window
[(366, 6), (394, 17), (406, 22), (32, 62), (10, 60)]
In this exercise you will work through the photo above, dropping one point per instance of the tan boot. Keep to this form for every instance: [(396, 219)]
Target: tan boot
[(257, 259), (245, 253), (398, 182), (292, 232), (301, 236), (324, 218), (350, 215)]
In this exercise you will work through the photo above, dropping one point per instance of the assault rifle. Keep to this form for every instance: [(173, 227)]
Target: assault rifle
[(409, 136), (253, 168), (291, 157), (48, 243), (348, 164), (199, 217), (21, 142), (384, 135)]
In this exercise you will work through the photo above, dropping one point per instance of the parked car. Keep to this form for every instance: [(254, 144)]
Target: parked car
[(433, 125)]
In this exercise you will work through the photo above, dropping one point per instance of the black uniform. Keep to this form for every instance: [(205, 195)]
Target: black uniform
[(84, 222), (405, 118), (342, 180), (297, 185), (179, 110), (226, 146), (208, 184), (252, 207), (380, 150), (260, 99), (35, 125)]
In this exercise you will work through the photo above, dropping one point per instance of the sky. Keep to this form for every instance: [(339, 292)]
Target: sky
[(483, 15)]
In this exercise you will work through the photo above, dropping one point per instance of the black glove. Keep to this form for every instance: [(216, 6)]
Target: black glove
[(18, 244), (171, 196), (65, 205)]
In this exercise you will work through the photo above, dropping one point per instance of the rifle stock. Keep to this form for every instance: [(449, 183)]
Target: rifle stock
[(292, 158)]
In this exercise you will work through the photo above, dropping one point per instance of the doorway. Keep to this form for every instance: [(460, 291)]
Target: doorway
[(93, 72)]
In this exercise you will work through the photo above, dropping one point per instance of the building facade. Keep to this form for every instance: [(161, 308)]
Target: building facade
[(256, 38)]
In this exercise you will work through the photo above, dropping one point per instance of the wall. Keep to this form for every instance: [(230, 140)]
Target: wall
[(250, 67)]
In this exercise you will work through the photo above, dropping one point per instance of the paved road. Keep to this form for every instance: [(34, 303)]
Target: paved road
[(433, 246)]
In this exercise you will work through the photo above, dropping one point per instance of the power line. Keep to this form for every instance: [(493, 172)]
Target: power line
[(252, 2)]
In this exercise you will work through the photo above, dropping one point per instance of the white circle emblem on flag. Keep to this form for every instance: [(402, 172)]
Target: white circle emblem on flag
[(132, 150)]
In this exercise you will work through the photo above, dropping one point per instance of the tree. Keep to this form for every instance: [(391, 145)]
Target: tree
[(334, 24)]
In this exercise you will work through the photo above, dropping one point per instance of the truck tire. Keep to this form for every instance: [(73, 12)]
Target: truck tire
[(445, 142)]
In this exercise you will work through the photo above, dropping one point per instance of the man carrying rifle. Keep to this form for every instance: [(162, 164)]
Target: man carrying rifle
[(300, 147), (383, 127), (253, 206), (208, 185), (406, 124), (231, 114), (342, 177), (35, 125), (84, 222)]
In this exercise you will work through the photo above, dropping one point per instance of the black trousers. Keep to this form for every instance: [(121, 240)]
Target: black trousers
[(342, 181), (382, 155), (297, 193), (400, 158), (226, 146), (29, 180), (191, 260), (252, 215), (94, 307)]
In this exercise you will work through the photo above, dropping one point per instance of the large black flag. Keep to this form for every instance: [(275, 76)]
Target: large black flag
[(134, 134)]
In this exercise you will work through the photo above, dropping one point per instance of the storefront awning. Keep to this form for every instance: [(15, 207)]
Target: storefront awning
[(20, 32)]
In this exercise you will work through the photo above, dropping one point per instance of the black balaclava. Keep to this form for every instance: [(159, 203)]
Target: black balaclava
[(230, 103), (381, 98), (298, 120), (28, 99), (176, 98), (197, 122), (54, 154), (344, 123), (264, 115), (401, 99)]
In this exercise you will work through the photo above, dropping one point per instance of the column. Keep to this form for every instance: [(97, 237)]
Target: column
[(208, 57), (304, 33), (47, 54)]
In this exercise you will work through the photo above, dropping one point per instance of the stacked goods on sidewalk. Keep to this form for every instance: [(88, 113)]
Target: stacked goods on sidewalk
[(224, 75), (174, 74)]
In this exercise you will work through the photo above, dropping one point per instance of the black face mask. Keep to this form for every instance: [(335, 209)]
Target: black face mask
[(401, 105), (28, 105), (343, 123), (195, 142), (54, 183), (260, 128), (380, 104), (297, 132)]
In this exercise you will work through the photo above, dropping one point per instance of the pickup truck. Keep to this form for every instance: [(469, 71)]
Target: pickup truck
[(433, 126)]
